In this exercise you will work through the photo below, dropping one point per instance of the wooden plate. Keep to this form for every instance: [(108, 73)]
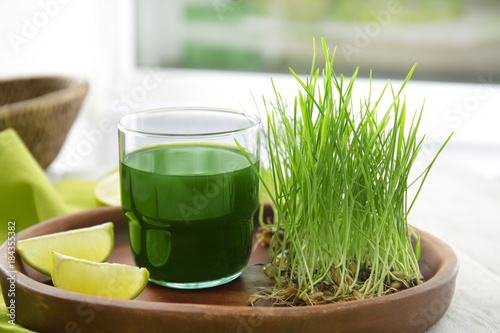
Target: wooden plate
[(43, 308)]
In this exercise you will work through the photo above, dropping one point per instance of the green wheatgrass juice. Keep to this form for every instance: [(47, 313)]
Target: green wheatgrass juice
[(190, 208)]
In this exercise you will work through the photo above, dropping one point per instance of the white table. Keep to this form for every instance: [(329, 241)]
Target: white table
[(460, 200), (462, 209)]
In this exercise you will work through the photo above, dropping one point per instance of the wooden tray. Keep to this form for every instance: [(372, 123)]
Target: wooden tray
[(43, 308)]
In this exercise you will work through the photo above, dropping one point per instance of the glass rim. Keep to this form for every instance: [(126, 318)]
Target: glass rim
[(254, 120)]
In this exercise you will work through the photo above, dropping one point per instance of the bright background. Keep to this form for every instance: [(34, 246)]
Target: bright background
[(153, 53), (454, 40)]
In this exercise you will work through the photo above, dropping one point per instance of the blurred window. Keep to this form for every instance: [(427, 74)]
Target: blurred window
[(451, 40)]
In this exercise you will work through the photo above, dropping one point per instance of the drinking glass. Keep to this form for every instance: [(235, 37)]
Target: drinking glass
[(190, 192)]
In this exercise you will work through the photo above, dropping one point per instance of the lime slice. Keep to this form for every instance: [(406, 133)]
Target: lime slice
[(93, 243), (98, 279), (107, 189)]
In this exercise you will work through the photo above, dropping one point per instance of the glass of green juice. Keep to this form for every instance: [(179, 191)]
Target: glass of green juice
[(189, 192)]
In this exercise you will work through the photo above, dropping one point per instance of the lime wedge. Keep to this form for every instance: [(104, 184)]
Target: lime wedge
[(98, 279), (93, 243), (107, 189)]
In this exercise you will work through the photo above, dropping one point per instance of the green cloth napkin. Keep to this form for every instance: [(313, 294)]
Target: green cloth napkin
[(27, 197), (77, 194)]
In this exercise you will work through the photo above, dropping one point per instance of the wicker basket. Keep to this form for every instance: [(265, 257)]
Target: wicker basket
[(41, 110)]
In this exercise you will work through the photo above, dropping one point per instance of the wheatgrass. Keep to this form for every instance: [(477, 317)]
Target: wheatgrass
[(340, 179)]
